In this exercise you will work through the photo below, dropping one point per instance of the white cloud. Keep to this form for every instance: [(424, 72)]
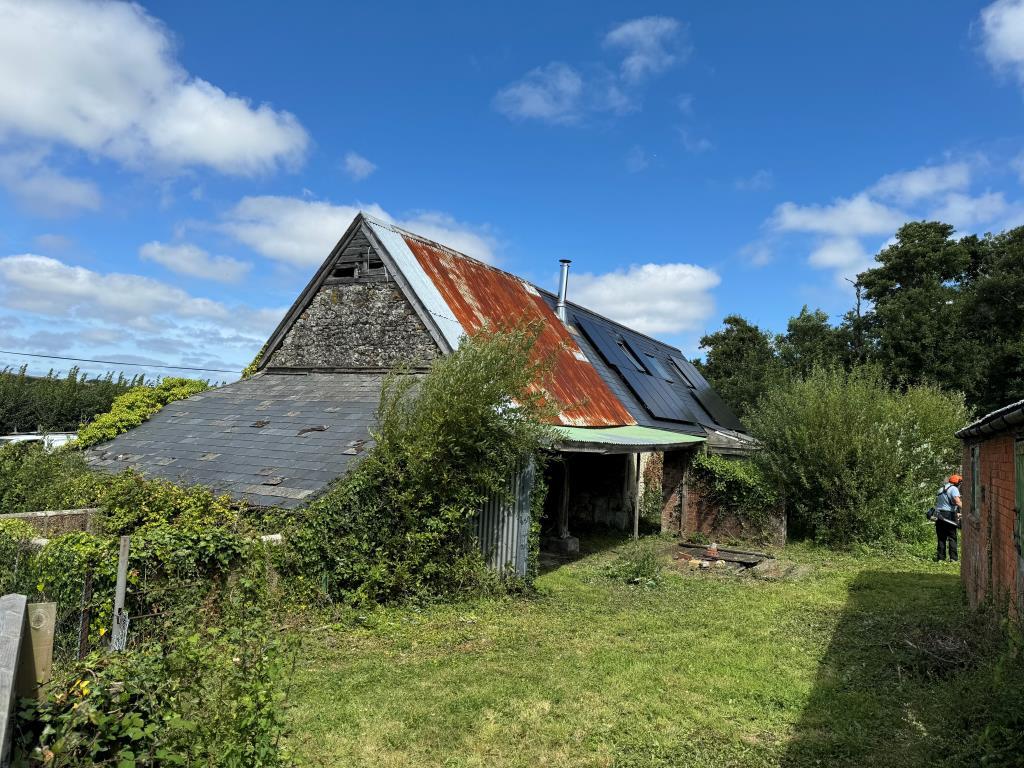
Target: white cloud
[(70, 310), (52, 242), (50, 287), (846, 217), (558, 93), (964, 211), (289, 229), (1018, 165), (636, 160), (357, 166), (843, 254), (43, 190), (101, 77), (303, 232), (446, 230), (191, 260), (1002, 30), (922, 183), (757, 254), (652, 298), (761, 179), (552, 94), (651, 45)]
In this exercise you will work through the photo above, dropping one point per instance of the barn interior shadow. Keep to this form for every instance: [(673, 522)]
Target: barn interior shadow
[(901, 640)]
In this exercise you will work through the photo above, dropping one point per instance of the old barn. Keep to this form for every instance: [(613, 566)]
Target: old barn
[(633, 410)]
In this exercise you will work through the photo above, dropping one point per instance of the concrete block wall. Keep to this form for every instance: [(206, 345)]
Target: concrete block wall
[(991, 565)]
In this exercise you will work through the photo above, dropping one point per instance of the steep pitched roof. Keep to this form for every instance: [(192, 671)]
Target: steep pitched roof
[(272, 440), (460, 294)]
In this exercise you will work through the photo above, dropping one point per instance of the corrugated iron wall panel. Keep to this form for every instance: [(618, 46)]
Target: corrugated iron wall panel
[(503, 525)]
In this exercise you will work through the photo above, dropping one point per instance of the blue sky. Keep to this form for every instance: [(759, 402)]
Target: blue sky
[(172, 173)]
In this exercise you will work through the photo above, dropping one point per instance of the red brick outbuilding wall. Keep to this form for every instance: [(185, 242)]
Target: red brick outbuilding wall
[(991, 565)]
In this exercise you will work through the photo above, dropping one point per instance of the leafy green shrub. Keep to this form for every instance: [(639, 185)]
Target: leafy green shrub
[(250, 369), (209, 692), (130, 501), (15, 555), (32, 479), (856, 460), (399, 524), (136, 406), (1000, 739), (738, 487), (637, 563)]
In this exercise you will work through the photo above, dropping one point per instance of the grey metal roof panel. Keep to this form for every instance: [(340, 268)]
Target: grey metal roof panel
[(209, 439)]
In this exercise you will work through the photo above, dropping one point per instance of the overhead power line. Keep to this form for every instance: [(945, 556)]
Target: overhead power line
[(116, 362)]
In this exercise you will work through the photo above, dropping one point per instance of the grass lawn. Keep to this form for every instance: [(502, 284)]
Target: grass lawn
[(855, 663)]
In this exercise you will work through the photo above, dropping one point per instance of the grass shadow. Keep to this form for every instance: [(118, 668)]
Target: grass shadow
[(890, 688)]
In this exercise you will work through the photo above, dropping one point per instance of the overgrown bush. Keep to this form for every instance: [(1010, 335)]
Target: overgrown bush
[(32, 479), (856, 460), (15, 553), (737, 487), (128, 502), (136, 406), (53, 402), (207, 690), (399, 524)]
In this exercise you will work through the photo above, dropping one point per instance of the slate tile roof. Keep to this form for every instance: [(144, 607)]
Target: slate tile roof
[(272, 440)]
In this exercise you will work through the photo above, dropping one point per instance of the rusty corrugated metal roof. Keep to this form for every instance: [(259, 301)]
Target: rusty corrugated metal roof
[(481, 295)]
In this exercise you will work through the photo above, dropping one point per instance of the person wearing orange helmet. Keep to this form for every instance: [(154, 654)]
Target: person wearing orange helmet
[(947, 517)]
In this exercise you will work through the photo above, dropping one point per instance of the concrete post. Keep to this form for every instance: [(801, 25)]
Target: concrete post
[(12, 625)]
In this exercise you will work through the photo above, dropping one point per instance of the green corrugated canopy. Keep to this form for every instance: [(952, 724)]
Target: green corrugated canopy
[(620, 439)]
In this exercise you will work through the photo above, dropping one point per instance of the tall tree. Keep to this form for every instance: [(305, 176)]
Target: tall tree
[(992, 318), (810, 341), (915, 321), (740, 361)]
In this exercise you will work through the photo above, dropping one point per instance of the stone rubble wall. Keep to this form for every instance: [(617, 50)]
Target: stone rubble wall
[(357, 325)]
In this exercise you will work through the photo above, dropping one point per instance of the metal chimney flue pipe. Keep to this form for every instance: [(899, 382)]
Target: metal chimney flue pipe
[(563, 289)]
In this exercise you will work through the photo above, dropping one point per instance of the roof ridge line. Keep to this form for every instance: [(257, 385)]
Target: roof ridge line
[(448, 249)]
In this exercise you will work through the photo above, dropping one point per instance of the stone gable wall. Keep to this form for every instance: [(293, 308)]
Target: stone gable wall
[(357, 325)]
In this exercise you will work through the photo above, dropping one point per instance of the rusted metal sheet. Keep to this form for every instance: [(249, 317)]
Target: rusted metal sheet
[(479, 294)]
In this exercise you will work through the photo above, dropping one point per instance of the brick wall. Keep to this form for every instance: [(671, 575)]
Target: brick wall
[(991, 564), (685, 511)]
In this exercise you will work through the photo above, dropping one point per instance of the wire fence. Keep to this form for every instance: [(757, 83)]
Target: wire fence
[(85, 603)]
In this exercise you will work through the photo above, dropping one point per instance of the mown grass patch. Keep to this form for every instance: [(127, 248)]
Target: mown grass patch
[(701, 668)]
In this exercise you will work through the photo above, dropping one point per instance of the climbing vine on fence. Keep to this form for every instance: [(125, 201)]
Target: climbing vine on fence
[(736, 486)]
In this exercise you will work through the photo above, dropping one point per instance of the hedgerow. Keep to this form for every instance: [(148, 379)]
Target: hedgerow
[(399, 525), (136, 406), (53, 402), (33, 479)]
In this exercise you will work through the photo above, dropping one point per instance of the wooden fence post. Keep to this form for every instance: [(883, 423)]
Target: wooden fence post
[(119, 632)]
